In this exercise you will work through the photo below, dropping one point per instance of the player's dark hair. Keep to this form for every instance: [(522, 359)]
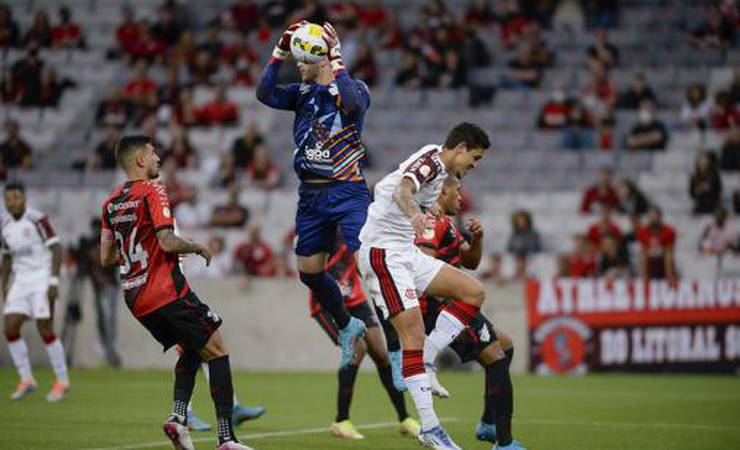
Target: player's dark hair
[(15, 186), (469, 133), (127, 145)]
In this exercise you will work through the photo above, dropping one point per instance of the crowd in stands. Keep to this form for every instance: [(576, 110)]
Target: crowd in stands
[(169, 59)]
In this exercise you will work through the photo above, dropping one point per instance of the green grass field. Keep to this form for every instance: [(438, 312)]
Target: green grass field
[(123, 410)]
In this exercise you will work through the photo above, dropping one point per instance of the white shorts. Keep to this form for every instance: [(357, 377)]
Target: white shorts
[(394, 278), (31, 302)]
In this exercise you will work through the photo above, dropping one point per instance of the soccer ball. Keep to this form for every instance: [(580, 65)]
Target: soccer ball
[(307, 45)]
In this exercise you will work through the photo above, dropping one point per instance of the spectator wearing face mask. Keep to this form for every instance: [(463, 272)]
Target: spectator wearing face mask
[(649, 133)]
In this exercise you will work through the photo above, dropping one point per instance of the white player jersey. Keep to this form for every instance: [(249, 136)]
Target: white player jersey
[(27, 241), (387, 226)]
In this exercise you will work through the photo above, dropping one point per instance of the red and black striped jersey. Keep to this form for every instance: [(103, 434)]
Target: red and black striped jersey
[(132, 215), (342, 266), (441, 236)]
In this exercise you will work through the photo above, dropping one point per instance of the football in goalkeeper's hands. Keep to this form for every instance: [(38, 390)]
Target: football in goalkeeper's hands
[(307, 45)]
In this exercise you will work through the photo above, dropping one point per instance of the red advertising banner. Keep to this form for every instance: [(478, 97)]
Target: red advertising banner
[(581, 325)]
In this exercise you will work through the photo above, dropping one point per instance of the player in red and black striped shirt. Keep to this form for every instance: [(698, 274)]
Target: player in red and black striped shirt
[(342, 266), (480, 340), (138, 235)]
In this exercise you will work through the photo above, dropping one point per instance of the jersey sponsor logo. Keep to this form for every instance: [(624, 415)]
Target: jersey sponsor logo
[(135, 282), (131, 204), (318, 155), (123, 218)]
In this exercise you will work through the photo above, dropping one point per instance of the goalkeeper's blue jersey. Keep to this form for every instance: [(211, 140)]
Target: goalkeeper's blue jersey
[(326, 130)]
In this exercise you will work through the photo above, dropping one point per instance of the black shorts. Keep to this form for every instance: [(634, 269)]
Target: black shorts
[(474, 338), (361, 311), (186, 321)]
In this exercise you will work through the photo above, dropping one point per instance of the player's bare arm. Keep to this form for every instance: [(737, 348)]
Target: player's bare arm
[(7, 264), (171, 243), (472, 253), (56, 265), (404, 198)]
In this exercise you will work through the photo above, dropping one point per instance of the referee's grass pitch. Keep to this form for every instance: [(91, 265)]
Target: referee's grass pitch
[(124, 410)]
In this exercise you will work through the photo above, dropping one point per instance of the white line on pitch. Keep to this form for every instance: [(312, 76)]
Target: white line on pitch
[(271, 434), (683, 426)]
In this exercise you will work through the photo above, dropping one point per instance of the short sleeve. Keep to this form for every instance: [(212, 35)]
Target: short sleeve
[(159, 207), (422, 170), (669, 237), (46, 231)]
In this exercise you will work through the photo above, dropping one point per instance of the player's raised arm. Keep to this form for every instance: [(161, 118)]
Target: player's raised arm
[(268, 91), (471, 253), (354, 94)]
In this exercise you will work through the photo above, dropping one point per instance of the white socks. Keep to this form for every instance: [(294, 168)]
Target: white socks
[(19, 354), (58, 363), (447, 328), (421, 393)]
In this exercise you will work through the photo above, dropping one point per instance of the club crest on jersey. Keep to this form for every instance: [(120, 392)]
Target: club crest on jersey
[(166, 212), (26, 231), (425, 170), (410, 294)]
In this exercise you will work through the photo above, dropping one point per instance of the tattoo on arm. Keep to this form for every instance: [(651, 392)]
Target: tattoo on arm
[(404, 198), (171, 243)]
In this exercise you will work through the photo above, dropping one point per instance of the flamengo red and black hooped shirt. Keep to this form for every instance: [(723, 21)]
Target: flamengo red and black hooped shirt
[(444, 238), (132, 215)]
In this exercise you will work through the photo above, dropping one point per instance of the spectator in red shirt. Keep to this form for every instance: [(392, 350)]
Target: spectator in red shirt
[(141, 88), (601, 193), (147, 47), (128, 32), (512, 22), (657, 241), (219, 111), (245, 14), (374, 15), (600, 93), (554, 113), (67, 33), (261, 172), (255, 255), (581, 262), (604, 227), (726, 113)]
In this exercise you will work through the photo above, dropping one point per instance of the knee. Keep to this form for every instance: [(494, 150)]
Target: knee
[(505, 341), (12, 336), (475, 294), (313, 280), (360, 351)]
